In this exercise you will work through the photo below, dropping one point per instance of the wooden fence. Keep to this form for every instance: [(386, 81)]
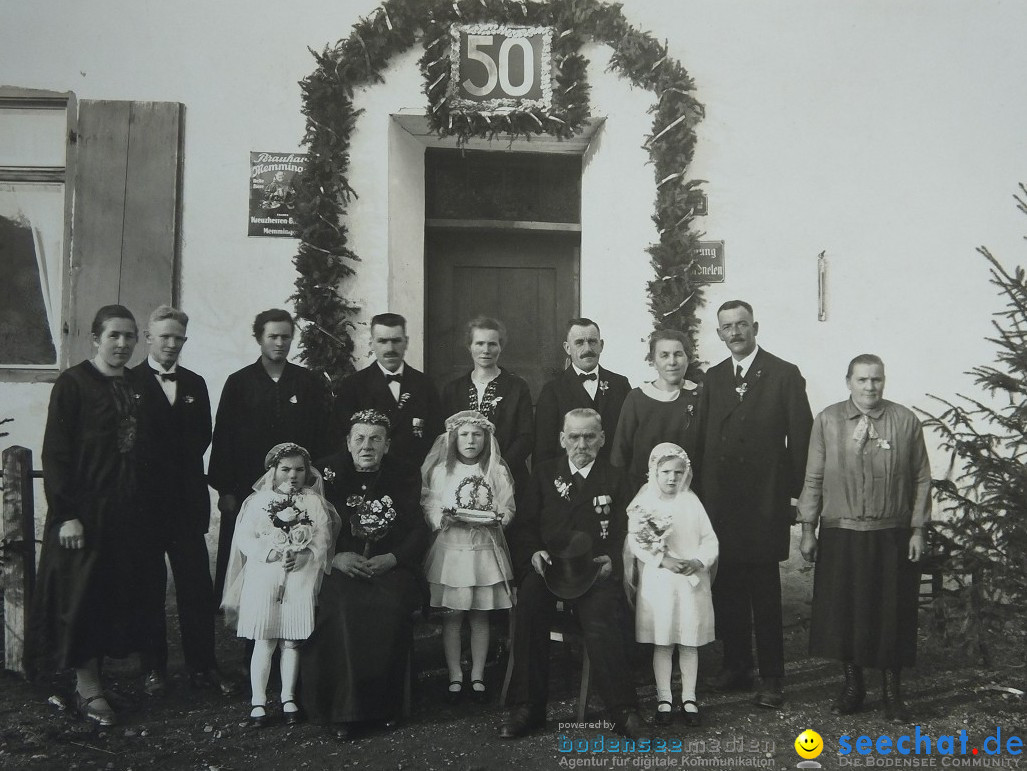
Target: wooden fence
[(17, 551)]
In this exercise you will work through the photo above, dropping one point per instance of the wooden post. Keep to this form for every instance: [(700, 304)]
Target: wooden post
[(18, 541)]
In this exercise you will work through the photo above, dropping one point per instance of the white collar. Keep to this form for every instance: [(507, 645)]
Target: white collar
[(390, 374), (583, 471), (582, 372), (159, 368), (744, 363)]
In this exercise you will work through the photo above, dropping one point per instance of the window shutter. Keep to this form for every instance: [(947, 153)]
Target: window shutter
[(125, 232)]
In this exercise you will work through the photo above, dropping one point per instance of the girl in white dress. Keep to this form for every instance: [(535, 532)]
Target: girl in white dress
[(283, 544), (671, 537), (468, 498)]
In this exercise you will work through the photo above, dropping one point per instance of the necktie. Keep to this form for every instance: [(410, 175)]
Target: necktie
[(738, 374), (389, 379), (579, 481), (584, 377), (168, 377)]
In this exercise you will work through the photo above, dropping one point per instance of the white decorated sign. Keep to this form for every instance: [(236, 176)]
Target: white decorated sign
[(498, 68)]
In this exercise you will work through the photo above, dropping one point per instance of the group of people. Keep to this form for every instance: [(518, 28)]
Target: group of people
[(342, 516)]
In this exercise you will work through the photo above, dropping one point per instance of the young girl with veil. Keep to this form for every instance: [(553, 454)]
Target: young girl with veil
[(283, 544), (468, 498), (671, 537)]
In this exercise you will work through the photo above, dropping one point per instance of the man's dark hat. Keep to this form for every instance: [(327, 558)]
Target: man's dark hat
[(572, 571)]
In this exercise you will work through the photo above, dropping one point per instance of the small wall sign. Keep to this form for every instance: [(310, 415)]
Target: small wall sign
[(499, 68), (708, 264), (271, 194)]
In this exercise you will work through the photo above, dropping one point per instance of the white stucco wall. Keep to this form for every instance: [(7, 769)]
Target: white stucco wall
[(889, 134)]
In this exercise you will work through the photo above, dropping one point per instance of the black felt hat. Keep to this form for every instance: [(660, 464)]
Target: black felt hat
[(572, 571)]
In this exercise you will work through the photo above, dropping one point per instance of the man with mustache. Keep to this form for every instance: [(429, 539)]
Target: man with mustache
[(406, 396), (754, 428), (263, 404), (583, 385)]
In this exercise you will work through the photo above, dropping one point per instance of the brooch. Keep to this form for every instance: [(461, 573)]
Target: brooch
[(293, 399)]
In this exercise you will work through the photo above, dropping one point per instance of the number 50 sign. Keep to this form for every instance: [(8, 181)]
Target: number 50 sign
[(497, 68)]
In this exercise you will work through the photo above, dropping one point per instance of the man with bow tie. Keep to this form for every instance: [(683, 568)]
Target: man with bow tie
[(577, 493), (584, 384), (174, 433), (265, 403), (406, 396), (754, 427)]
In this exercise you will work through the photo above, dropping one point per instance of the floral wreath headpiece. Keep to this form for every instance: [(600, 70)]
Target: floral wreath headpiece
[(470, 418), (371, 418), (285, 450), (665, 451)]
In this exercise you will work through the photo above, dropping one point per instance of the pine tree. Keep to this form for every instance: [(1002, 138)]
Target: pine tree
[(980, 541)]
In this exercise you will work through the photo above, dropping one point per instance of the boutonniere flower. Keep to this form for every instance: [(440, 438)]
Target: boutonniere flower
[(496, 400), (742, 390), (602, 507), (604, 386), (329, 475), (403, 399), (691, 409), (418, 424), (293, 399), (137, 396), (883, 444), (188, 399), (563, 487)]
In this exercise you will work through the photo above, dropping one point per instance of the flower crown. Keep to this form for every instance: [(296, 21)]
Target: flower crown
[(470, 418), (285, 450), (371, 418)]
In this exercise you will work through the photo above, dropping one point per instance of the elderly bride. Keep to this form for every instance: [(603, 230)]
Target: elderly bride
[(353, 664)]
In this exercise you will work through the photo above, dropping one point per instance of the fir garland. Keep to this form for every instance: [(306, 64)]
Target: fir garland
[(323, 192)]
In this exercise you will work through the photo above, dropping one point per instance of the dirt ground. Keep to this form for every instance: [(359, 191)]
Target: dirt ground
[(198, 730)]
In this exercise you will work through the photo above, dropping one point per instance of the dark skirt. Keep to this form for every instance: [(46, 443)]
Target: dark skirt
[(865, 595), (87, 601), (353, 665)]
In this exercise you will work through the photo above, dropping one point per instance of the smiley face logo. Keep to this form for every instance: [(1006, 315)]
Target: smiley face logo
[(809, 744)]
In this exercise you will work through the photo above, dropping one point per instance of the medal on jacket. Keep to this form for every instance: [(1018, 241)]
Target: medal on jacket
[(602, 507)]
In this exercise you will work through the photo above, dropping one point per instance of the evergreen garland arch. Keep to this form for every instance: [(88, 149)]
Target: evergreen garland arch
[(324, 260)]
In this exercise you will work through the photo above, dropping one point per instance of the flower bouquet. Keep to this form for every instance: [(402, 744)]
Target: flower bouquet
[(372, 520), (292, 531)]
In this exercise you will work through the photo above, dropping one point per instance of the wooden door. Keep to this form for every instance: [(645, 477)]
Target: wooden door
[(527, 279)]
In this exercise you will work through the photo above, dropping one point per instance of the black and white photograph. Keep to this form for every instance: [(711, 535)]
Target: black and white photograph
[(575, 384)]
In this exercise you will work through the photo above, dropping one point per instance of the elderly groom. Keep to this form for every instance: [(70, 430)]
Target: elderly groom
[(572, 501)]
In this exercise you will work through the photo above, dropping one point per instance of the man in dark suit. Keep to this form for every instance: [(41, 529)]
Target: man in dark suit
[(174, 433), (263, 404), (584, 384), (406, 396), (573, 494), (754, 427)]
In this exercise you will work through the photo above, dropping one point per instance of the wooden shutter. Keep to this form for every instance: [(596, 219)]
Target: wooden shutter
[(125, 233)]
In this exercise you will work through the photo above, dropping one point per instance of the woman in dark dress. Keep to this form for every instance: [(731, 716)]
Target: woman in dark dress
[(499, 395), (661, 411), (86, 602), (353, 664)]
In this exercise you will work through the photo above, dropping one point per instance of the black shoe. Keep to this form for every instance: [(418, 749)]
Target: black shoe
[(661, 718), (522, 721), (482, 696), (211, 679), (692, 719), (731, 679), (454, 695), (630, 725), (294, 717), (895, 708), (770, 693), (155, 684), (343, 732), (850, 700), (259, 721), (97, 709)]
